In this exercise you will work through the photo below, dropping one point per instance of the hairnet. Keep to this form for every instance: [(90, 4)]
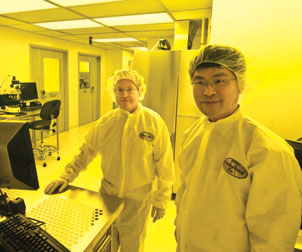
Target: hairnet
[(226, 56), (127, 74)]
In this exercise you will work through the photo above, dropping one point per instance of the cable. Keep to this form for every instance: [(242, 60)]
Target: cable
[(10, 212), (4, 80)]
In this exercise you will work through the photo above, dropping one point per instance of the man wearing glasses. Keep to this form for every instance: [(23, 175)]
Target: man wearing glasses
[(241, 184), (134, 144)]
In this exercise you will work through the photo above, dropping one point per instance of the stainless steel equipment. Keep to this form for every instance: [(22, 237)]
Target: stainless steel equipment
[(169, 90), (166, 74)]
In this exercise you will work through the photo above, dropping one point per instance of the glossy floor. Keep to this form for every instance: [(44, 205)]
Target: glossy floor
[(160, 236)]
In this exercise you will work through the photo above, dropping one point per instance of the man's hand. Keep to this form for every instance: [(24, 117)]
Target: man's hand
[(157, 213), (61, 184)]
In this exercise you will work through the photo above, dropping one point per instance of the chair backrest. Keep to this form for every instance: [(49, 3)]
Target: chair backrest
[(50, 108)]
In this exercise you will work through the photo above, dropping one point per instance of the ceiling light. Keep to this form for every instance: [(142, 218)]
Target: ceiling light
[(140, 48), (80, 2), (136, 19), (115, 40), (69, 24), (21, 5)]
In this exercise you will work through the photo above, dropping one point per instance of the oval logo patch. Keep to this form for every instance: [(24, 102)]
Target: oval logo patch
[(147, 136), (234, 168)]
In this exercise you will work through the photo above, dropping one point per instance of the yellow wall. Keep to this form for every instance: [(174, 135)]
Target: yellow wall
[(15, 60), (269, 34), (127, 58), (14, 52)]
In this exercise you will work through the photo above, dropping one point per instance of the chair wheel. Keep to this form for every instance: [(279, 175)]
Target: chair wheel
[(44, 164), (58, 158)]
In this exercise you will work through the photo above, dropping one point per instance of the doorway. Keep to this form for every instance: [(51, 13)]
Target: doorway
[(49, 71), (89, 88)]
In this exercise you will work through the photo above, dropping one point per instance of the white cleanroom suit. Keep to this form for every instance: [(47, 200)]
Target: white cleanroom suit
[(135, 148), (241, 189)]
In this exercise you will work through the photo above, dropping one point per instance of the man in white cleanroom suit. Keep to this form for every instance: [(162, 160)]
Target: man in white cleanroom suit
[(135, 148), (241, 184)]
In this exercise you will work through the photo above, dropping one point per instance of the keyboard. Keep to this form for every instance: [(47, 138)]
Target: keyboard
[(15, 113), (19, 234), (31, 108)]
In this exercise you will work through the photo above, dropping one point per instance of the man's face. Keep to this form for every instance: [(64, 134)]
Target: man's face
[(219, 99), (126, 95)]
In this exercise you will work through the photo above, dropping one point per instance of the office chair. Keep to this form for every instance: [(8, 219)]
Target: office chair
[(49, 113)]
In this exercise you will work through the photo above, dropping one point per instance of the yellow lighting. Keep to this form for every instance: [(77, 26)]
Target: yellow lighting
[(115, 40), (69, 24), (24, 5), (140, 48), (136, 19), (81, 2)]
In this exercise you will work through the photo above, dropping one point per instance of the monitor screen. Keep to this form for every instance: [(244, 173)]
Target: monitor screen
[(297, 146), (28, 91), (17, 166)]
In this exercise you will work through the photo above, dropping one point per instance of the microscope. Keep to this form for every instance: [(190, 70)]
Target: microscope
[(9, 96)]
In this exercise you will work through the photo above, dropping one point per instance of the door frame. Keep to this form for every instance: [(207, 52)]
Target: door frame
[(97, 88), (64, 76)]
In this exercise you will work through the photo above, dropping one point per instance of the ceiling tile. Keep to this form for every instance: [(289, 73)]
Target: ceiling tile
[(40, 16), (151, 18), (73, 38), (101, 36), (110, 35), (193, 14), (89, 30), (119, 8), (176, 5), (76, 37), (109, 46), (28, 27), (147, 27), (106, 45), (52, 33), (178, 9), (145, 35), (80, 2), (82, 41), (16, 6), (126, 44), (9, 21)]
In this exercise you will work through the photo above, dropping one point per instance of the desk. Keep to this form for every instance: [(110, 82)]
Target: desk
[(29, 117), (80, 219)]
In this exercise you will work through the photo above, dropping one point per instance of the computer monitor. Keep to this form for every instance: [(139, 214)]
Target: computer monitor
[(297, 146), (28, 91), (17, 166)]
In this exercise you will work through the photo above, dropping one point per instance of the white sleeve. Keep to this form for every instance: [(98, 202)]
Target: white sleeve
[(183, 185), (273, 211), (163, 158)]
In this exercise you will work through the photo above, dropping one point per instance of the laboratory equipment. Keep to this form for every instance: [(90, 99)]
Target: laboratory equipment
[(19, 233), (17, 167), (28, 91)]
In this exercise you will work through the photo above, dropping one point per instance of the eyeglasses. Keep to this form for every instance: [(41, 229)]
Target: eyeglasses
[(217, 83), (128, 90)]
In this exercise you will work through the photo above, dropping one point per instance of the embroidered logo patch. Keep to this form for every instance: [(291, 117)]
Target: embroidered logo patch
[(147, 136), (234, 168)]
